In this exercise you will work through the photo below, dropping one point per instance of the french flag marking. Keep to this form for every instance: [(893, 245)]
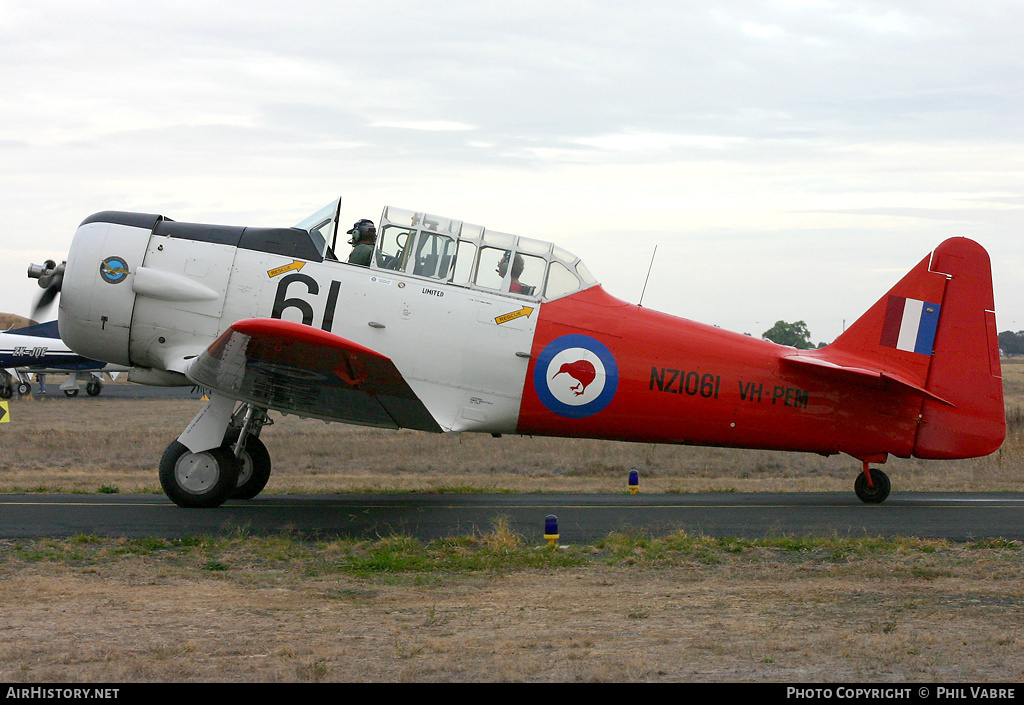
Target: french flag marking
[(910, 325)]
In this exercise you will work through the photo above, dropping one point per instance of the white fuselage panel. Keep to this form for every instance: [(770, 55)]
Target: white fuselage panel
[(459, 349)]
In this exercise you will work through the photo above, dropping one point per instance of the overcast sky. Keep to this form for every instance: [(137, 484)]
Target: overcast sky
[(788, 160)]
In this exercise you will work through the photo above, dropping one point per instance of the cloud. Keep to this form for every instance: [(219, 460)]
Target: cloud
[(856, 132), (424, 125)]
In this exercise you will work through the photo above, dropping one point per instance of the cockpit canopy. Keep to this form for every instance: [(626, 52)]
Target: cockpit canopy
[(448, 250)]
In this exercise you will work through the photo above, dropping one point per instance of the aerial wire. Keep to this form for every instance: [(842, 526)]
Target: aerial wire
[(649, 267)]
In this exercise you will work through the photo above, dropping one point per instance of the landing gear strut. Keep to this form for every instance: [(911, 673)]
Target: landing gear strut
[(238, 468), (254, 460), (872, 486)]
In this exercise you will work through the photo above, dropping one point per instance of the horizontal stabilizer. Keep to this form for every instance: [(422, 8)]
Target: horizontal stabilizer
[(862, 375)]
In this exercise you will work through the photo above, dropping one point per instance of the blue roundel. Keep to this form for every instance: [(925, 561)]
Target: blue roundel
[(114, 270), (575, 376)]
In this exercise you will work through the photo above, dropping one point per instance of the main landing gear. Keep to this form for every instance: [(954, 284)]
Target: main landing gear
[(238, 468), (872, 485), (8, 386)]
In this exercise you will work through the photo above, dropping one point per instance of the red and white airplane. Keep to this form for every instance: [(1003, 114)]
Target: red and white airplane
[(438, 334)]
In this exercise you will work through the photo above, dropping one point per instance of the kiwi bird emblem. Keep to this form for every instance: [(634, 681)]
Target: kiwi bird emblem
[(582, 371)]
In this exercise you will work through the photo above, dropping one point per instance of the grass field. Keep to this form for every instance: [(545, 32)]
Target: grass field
[(102, 444), (490, 608), (493, 606)]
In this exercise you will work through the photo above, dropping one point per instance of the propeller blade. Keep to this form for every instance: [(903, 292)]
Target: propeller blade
[(47, 297)]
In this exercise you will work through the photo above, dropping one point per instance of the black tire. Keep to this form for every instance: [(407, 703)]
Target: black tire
[(198, 480), (24, 388), (94, 388), (876, 494), (6, 391), (254, 468), (71, 392)]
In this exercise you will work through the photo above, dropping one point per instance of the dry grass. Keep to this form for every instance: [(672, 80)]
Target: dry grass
[(253, 609), (631, 609), (85, 444)]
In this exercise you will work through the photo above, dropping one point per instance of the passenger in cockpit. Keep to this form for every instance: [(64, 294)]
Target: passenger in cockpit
[(515, 286)]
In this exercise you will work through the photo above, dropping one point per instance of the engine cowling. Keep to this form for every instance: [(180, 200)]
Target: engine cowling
[(97, 297), (147, 292)]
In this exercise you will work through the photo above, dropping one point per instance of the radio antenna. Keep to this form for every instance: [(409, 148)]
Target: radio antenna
[(651, 265)]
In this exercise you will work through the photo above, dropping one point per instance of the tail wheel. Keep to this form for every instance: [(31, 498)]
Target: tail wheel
[(204, 479), (254, 468), (877, 491)]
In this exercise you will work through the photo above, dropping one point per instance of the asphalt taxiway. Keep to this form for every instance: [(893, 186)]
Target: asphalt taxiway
[(580, 518)]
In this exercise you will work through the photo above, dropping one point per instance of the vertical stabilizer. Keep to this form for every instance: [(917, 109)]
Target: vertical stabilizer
[(936, 330), (965, 365)]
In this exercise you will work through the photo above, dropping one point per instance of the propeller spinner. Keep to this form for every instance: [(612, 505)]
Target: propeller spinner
[(50, 276)]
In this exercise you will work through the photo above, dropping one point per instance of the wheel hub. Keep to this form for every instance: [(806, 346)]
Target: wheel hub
[(196, 472)]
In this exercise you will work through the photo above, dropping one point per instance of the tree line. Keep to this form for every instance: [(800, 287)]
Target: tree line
[(796, 335), (1011, 343)]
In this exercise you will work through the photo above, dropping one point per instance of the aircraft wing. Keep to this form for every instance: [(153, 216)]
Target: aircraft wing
[(309, 372), (857, 374)]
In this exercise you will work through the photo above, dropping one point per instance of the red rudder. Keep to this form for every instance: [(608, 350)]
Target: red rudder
[(965, 367)]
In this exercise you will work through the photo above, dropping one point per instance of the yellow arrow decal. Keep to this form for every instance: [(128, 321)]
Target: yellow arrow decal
[(5, 416), (506, 317), (295, 265)]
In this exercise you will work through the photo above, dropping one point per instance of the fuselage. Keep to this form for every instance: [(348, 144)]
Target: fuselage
[(559, 356), (34, 349), (678, 381)]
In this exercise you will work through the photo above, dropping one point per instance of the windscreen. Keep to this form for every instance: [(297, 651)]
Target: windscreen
[(322, 227)]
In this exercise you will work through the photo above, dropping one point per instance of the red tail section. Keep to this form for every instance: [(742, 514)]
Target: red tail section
[(935, 332), (965, 367)]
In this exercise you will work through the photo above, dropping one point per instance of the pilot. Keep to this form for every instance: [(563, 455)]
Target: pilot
[(517, 269), (364, 235)]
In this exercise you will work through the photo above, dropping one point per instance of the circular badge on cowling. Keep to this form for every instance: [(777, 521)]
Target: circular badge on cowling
[(114, 270)]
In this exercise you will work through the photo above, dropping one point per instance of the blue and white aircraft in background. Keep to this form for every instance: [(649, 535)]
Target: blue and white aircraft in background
[(38, 349)]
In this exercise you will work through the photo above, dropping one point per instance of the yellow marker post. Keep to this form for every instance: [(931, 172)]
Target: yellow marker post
[(5, 412)]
